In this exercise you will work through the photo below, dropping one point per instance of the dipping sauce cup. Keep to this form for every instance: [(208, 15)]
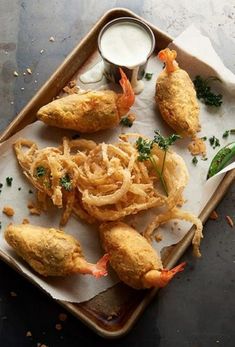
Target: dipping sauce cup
[(127, 43)]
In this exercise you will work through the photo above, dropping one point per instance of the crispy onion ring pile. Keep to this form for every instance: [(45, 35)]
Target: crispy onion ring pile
[(106, 182)]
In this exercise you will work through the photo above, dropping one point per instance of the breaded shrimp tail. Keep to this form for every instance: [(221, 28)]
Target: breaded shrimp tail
[(90, 111), (127, 99), (133, 258), (168, 57), (51, 252), (176, 97), (156, 278)]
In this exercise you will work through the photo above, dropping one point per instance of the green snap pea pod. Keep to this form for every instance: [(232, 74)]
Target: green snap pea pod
[(220, 160)]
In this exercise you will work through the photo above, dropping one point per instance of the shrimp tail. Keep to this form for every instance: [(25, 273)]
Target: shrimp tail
[(127, 99), (168, 57), (160, 278), (97, 270)]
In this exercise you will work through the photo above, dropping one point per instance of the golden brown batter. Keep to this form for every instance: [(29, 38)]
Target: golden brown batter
[(176, 96), (51, 252), (133, 258)]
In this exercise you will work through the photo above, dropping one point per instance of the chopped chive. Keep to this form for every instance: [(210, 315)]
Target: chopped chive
[(195, 161), (126, 122), (40, 171), (148, 76), (9, 181), (225, 134)]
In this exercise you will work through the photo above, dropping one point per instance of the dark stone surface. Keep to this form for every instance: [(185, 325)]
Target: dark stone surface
[(197, 309)]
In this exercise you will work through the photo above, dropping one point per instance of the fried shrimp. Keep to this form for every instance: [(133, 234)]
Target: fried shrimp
[(176, 96), (51, 252), (91, 111), (133, 258)]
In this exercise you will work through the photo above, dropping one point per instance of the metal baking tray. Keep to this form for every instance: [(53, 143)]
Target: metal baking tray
[(112, 313)]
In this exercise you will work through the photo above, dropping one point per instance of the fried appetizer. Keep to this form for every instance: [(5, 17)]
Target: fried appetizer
[(176, 96), (91, 111), (51, 252), (133, 258)]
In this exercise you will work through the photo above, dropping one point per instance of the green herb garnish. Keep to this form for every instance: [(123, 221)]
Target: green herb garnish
[(220, 160), (40, 171), (144, 148), (30, 191), (1, 185), (126, 122), (19, 188), (66, 183), (214, 142), (0, 225), (228, 132), (204, 138), (204, 92), (225, 134), (204, 159), (148, 76), (195, 161), (9, 181)]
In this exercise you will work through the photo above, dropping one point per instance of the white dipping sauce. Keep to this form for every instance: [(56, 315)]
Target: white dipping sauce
[(93, 75), (126, 44)]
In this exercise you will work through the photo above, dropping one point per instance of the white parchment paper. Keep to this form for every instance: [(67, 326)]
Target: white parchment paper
[(197, 56)]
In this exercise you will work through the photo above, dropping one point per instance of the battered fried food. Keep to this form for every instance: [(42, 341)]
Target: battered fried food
[(176, 96), (51, 252), (91, 111), (107, 182), (133, 258)]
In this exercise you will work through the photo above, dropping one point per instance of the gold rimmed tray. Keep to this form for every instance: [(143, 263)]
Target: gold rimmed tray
[(112, 313)]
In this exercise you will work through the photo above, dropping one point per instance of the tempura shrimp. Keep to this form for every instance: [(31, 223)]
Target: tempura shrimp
[(90, 111)]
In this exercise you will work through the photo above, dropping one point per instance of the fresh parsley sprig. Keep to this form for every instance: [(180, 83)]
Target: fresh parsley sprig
[(144, 148), (205, 93), (164, 143), (66, 183)]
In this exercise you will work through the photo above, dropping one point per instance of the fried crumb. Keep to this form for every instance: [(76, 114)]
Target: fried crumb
[(29, 71), (58, 326), (158, 237), (197, 147), (52, 39), (28, 334), (25, 221), (109, 318), (15, 73), (131, 117), (8, 210), (34, 208), (63, 317), (71, 88), (13, 294), (214, 215), (230, 221)]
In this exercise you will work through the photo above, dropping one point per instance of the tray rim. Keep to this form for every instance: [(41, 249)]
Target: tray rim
[(180, 247)]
